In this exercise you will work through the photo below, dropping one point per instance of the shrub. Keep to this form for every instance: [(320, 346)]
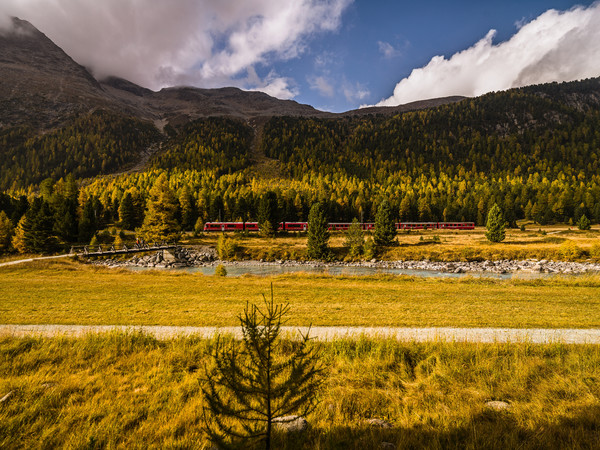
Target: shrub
[(226, 247), (369, 249), (199, 227), (118, 243), (595, 251), (355, 240), (570, 251), (220, 271), (584, 223)]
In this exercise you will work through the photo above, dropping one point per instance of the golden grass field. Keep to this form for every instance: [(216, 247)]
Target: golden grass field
[(132, 391), (66, 292), (559, 242)]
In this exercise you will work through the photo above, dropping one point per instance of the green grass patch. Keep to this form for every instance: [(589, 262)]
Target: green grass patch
[(132, 391), (61, 292)]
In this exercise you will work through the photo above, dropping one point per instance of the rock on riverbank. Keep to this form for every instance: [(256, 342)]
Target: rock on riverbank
[(202, 257), (178, 258)]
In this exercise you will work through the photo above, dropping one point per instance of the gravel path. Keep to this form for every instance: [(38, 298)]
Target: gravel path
[(19, 261), (533, 335)]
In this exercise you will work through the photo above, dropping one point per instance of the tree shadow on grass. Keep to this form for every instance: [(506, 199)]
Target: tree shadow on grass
[(487, 430)]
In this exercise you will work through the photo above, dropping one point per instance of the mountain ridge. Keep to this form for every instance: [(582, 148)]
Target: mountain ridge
[(43, 86)]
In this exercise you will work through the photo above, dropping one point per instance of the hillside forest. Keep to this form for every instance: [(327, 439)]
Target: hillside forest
[(534, 151)]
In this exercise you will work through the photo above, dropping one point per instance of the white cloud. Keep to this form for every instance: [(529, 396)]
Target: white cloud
[(322, 86), (556, 46), (159, 43), (274, 85), (324, 60), (355, 92), (388, 50)]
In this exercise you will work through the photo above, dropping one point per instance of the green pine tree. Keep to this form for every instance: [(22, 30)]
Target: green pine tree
[(584, 223), (318, 233), (40, 236), (88, 225), (385, 228), (65, 219), (268, 214), (189, 211), (495, 225), (355, 239), (127, 212), (6, 232), (160, 222)]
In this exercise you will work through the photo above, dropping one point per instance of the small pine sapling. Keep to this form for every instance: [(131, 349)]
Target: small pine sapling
[(254, 382)]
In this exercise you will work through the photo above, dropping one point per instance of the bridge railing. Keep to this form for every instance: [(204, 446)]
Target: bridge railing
[(107, 249)]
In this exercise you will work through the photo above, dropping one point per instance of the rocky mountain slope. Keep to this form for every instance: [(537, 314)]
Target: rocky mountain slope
[(42, 87), (41, 84)]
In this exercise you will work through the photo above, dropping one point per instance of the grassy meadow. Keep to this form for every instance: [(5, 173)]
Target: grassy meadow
[(130, 390), (557, 242), (133, 391), (66, 292)]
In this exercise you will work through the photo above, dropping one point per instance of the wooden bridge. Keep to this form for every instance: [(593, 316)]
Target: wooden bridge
[(107, 250)]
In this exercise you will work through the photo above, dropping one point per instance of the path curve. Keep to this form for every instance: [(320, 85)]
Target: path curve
[(11, 263), (483, 335)]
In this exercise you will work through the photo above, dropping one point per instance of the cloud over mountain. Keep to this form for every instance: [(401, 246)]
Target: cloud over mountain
[(556, 46), (159, 43)]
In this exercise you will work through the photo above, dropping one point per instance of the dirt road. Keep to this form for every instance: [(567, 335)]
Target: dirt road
[(567, 336)]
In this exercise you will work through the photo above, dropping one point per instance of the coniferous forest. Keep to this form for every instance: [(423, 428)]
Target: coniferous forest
[(534, 151)]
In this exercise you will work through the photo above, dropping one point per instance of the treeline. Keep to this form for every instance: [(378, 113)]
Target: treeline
[(103, 142), (60, 215), (97, 143), (519, 132), (214, 143), (75, 214)]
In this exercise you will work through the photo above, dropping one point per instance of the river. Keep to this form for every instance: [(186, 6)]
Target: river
[(266, 269)]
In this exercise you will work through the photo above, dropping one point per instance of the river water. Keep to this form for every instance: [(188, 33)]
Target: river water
[(239, 269)]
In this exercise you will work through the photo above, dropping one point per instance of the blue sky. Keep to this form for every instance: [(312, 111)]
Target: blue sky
[(333, 54), (412, 32)]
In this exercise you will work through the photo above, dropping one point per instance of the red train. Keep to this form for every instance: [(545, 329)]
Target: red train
[(338, 226)]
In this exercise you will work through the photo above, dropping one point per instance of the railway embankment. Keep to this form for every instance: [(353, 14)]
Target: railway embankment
[(205, 257)]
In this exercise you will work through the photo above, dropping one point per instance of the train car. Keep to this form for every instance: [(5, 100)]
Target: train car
[(231, 226), (416, 226), (293, 226), (456, 225), (338, 226)]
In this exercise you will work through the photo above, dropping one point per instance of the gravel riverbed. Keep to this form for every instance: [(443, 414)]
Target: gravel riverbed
[(183, 257)]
